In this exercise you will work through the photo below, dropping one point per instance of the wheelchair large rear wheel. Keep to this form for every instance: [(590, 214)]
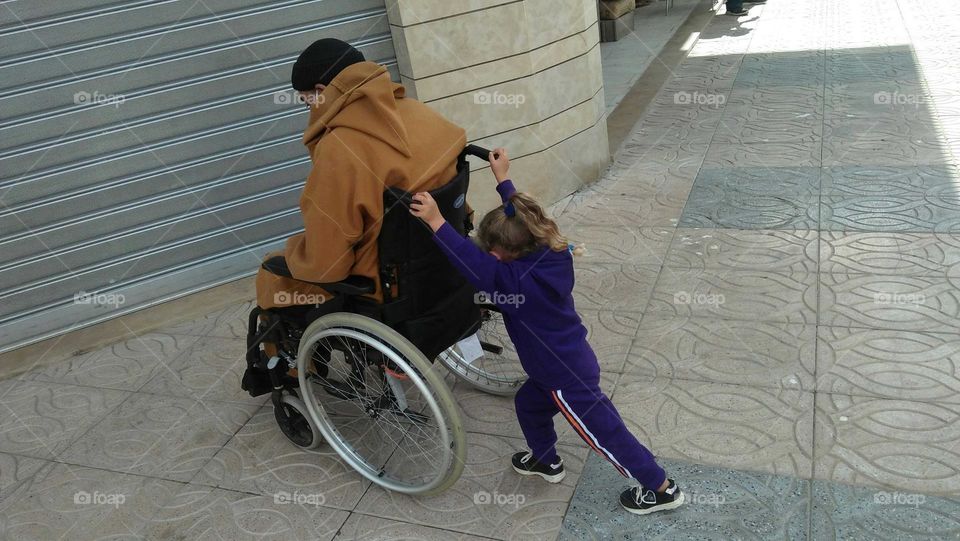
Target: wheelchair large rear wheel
[(498, 371), (380, 404)]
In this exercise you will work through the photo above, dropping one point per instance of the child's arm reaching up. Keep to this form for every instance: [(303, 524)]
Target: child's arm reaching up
[(500, 165)]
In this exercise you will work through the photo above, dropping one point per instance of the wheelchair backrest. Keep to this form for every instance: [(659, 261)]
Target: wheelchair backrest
[(428, 300), (403, 237)]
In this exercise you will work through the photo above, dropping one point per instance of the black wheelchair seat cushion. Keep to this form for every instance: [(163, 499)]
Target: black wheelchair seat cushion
[(351, 285)]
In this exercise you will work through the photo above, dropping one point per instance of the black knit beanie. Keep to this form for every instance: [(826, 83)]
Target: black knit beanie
[(321, 62)]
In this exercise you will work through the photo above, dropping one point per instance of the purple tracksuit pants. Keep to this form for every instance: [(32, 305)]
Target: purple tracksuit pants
[(593, 417)]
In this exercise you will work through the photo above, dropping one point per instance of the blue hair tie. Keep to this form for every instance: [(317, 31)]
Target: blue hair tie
[(509, 210)]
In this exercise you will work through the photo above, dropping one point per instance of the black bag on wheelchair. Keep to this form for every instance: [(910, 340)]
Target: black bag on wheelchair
[(426, 299)]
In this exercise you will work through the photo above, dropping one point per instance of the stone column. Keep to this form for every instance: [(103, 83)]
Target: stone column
[(523, 74)]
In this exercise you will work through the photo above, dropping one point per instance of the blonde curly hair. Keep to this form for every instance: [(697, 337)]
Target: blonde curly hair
[(527, 230)]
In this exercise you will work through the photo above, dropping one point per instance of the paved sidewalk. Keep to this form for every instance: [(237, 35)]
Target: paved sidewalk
[(772, 287)]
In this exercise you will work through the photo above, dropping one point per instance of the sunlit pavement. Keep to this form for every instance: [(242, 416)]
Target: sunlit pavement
[(771, 284)]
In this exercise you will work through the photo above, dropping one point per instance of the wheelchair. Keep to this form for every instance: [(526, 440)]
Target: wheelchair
[(359, 375)]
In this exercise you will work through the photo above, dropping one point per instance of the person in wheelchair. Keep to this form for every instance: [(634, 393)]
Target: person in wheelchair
[(352, 313), (364, 136)]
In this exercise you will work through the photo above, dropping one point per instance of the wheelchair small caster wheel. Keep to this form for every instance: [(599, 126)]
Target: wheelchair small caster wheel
[(294, 422)]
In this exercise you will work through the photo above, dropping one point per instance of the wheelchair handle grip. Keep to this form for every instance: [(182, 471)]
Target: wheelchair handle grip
[(478, 151)]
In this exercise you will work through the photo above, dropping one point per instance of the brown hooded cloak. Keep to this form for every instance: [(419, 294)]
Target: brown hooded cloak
[(363, 136)]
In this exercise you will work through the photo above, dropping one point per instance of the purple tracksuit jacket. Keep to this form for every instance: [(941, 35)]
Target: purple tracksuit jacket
[(535, 295)]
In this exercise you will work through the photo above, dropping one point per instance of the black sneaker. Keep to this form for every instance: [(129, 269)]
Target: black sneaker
[(524, 464), (643, 501), (754, 1), (736, 13)]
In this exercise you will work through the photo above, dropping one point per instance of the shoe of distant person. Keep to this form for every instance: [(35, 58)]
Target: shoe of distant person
[(736, 13)]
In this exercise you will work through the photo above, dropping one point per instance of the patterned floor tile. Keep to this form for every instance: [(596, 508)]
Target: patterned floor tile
[(679, 101), (859, 98), (758, 181), (752, 353), (793, 69), (741, 129), (741, 295), (681, 154), (923, 254), (634, 209), (161, 436), (769, 430), (643, 180), (890, 213), (199, 512), (361, 527), (719, 504), (919, 181), (674, 129), (772, 112), (896, 152), (763, 96), (862, 70), (720, 67), (62, 501), (40, 419), (230, 322), (260, 460), (918, 366), (897, 444), (880, 102), (874, 109), (946, 104), (15, 471), (124, 366), (610, 335), (881, 64), (490, 499), (734, 210), (768, 155), (616, 243), (707, 81), (882, 128), (735, 249), (611, 286), (642, 176), (907, 303), (843, 512), (211, 369)]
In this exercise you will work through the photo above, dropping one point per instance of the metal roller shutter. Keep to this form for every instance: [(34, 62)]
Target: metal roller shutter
[(146, 149)]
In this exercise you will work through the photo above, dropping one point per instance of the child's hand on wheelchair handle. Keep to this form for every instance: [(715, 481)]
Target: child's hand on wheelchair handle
[(499, 163), (425, 208)]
